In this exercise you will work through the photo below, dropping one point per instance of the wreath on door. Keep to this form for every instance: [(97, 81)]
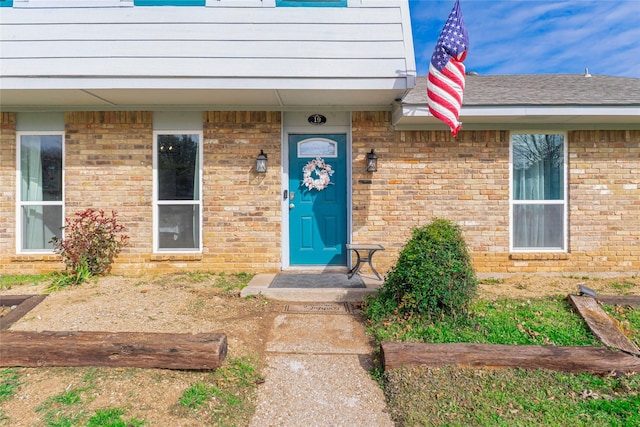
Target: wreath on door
[(317, 174)]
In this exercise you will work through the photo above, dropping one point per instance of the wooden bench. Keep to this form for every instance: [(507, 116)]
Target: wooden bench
[(370, 249)]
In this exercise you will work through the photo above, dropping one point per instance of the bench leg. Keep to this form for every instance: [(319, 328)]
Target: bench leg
[(369, 259), (356, 267), (373, 269)]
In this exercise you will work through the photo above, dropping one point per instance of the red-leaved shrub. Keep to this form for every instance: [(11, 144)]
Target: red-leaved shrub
[(91, 241)]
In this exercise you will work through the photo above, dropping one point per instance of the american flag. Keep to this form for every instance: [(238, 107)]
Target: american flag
[(445, 86)]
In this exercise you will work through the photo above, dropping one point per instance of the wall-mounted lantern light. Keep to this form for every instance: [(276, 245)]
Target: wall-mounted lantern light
[(372, 161), (261, 162)]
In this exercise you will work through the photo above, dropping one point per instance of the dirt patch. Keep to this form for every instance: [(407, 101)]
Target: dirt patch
[(177, 303), (537, 286), (117, 304)]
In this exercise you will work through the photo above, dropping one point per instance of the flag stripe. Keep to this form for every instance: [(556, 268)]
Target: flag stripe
[(442, 102), (444, 88), (454, 70)]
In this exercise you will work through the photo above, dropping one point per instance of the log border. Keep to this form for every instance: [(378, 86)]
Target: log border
[(25, 303), (624, 300), (203, 351), (601, 325), (597, 360)]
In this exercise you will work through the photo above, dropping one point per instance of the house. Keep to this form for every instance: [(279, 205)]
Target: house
[(161, 109)]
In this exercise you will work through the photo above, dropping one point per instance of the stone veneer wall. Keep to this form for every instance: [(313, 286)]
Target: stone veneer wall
[(422, 175)]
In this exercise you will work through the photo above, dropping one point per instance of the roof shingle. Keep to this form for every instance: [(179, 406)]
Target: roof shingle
[(540, 89)]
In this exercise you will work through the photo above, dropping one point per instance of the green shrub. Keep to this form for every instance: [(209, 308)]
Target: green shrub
[(91, 242), (432, 278)]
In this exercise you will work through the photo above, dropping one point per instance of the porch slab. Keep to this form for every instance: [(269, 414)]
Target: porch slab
[(259, 285)]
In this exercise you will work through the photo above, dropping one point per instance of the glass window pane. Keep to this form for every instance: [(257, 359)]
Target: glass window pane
[(317, 147), (538, 167), (39, 225), (41, 168), (179, 227), (178, 167), (538, 226)]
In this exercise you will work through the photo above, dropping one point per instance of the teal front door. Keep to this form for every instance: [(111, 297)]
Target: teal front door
[(317, 198)]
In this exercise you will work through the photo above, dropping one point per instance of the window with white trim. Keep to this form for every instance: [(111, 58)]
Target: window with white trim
[(40, 207), (177, 191), (311, 3), (538, 192), (169, 2)]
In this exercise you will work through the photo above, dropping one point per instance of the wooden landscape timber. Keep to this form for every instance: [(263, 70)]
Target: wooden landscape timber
[(601, 324), (114, 349), (597, 360), (23, 303), (622, 300)]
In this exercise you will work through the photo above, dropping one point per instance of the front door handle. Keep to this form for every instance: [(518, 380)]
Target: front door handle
[(291, 206)]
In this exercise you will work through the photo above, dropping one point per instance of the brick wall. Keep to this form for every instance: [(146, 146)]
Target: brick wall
[(242, 216), (7, 186), (427, 174), (422, 175), (605, 200), (108, 165)]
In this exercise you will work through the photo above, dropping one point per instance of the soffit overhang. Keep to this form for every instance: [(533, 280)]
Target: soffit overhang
[(417, 117)]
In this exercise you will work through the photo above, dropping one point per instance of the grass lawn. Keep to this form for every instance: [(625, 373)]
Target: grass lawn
[(455, 396), (542, 321)]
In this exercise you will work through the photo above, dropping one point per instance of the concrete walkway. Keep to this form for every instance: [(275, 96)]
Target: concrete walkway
[(317, 360)]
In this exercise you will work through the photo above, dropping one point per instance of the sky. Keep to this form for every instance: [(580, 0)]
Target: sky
[(536, 36)]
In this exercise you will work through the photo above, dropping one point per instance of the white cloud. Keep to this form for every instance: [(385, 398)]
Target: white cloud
[(543, 36)]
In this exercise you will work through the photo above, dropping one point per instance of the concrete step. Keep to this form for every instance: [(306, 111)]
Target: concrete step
[(259, 285)]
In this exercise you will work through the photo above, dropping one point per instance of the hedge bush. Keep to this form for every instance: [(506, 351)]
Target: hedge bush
[(433, 276)]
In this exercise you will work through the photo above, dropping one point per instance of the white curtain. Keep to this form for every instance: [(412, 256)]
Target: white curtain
[(34, 233)]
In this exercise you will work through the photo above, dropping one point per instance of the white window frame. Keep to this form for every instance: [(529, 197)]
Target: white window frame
[(20, 203), (564, 202), (157, 203)]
